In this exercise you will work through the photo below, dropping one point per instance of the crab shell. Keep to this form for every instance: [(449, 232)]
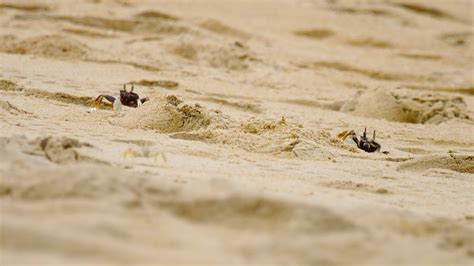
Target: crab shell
[(129, 98)]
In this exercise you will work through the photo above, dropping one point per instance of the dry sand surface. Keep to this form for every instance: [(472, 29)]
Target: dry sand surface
[(235, 160)]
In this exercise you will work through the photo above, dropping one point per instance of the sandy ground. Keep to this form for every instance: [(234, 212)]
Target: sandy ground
[(236, 159)]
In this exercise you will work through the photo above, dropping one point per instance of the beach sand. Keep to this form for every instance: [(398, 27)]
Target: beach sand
[(235, 159)]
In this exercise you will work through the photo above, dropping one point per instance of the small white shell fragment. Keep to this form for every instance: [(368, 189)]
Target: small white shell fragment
[(92, 110)]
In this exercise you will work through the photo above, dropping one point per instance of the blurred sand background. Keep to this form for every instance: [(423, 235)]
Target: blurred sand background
[(236, 160)]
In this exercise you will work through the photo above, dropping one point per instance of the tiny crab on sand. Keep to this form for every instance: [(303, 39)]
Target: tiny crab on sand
[(143, 152), (127, 98), (364, 143)]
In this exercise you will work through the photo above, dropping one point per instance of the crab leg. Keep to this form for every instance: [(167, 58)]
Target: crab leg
[(355, 139), (101, 97), (109, 98)]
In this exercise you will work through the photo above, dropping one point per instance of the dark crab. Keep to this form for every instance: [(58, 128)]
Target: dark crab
[(365, 143), (127, 98)]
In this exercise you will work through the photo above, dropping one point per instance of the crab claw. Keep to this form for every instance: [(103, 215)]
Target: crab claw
[(98, 101), (346, 133)]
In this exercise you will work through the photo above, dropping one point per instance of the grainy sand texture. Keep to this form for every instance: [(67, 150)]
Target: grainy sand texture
[(236, 159)]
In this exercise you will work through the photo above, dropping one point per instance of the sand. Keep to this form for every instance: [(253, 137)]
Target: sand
[(236, 158)]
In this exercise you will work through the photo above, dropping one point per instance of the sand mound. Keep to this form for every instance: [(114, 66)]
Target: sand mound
[(275, 137), (91, 210), (458, 163), (18, 151), (59, 150), (257, 213), (194, 122), (233, 211), (62, 149), (408, 106), (71, 182), (257, 134), (54, 46), (168, 114)]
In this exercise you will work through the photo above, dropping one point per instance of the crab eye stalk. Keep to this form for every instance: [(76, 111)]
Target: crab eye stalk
[(374, 136), (131, 89)]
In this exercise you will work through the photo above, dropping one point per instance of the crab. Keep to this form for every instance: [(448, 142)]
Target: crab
[(127, 98), (364, 143), (144, 152)]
